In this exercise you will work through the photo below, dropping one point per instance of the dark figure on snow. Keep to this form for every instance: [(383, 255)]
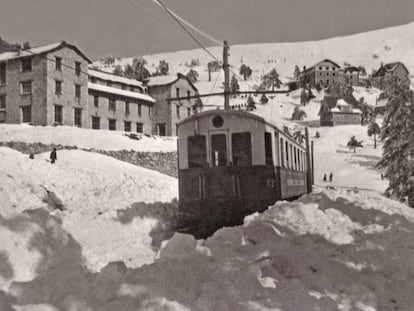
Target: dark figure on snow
[(53, 156), (324, 178), (330, 177), (382, 176)]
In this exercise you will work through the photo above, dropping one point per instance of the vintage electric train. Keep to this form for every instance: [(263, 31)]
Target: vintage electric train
[(232, 163)]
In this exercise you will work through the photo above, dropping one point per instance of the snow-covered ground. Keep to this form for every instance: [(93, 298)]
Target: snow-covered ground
[(84, 138)]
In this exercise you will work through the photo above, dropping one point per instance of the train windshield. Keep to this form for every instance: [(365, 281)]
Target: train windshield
[(219, 149), (197, 153), (242, 149)]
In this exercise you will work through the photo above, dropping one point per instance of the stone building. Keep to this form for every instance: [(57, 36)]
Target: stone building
[(44, 85), (118, 103), (325, 73), (385, 73), (351, 75), (167, 113), (339, 111)]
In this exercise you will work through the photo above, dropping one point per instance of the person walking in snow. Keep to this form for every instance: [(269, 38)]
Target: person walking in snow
[(382, 176), (53, 156), (324, 178), (330, 177)]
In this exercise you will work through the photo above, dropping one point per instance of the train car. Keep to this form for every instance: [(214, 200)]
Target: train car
[(232, 163)]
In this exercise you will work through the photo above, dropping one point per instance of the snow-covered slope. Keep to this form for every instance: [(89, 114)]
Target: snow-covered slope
[(368, 49), (84, 138)]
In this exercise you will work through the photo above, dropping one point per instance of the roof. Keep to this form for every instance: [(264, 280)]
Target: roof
[(168, 80), (381, 102), (342, 103), (43, 49), (114, 78), (351, 69), (115, 91), (353, 111), (329, 103), (390, 67), (326, 60)]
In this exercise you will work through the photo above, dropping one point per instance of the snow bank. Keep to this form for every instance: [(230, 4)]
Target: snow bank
[(85, 138)]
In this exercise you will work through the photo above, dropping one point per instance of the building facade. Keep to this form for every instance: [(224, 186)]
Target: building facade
[(118, 103), (44, 85), (387, 72), (323, 73), (167, 113), (338, 111)]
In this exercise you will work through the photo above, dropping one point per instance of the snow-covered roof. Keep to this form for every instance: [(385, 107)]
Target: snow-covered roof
[(335, 110), (342, 103), (354, 110), (111, 77), (161, 80), (113, 90), (40, 50), (382, 102)]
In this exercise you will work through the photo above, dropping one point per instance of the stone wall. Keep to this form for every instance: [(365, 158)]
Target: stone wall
[(163, 162)]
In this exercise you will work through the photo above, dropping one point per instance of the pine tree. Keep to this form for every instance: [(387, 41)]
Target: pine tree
[(118, 71), (398, 150), (234, 85), (353, 143), (271, 79), (264, 100), (251, 104), (374, 130), (162, 69), (192, 75), (299, 137), (296, 73), (298, 114), (129, 72), (245, 71)]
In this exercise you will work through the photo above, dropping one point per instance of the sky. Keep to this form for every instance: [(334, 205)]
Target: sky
[(127, 28)]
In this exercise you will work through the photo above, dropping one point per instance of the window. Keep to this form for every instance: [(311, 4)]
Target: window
[(161, 129), (291, 156), (58, 114), (189, 94), (178, 111), (3, 102), (219, 149), (58, 87), (127, 126), (26, 64), (188, 112), (197, 152), (112, 124), (111, 104), (77, 90), (78, 68), (242, 149), (287, 154), (26, 88), (96, 101), (139, 110), (149, 110), (27, 114), (268, 148), (2, 73), (177, 92), (295, 158), (109, 83), (126, 107), (282, 156), (140, 127), (58, 63), (78, 117), (96, 123), (93, 79)]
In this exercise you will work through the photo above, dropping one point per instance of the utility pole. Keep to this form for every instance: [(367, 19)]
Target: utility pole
[(226, 75)]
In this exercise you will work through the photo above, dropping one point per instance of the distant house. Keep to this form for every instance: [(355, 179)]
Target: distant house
[(339, 111), (351, 75), (325, 73), (44, 85), (118, 103), (380, 105), (168, 113), (383, 74)]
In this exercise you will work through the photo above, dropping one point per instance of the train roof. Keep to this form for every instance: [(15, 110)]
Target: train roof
[(240, 113)]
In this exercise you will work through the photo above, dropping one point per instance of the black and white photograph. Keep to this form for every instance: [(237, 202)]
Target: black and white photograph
[(206, 155)]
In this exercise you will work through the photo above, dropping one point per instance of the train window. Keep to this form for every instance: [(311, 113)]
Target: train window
[(242, 149), (291, 156), (299, 161), (287, 154), (295, 157), (282, 155), (268, 148), (217, 121), (197, 151), (219, 150)]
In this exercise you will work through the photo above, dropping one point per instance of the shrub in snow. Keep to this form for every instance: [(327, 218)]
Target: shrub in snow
[(298, 114), (192, 75), (245, 71), (353, 143)]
